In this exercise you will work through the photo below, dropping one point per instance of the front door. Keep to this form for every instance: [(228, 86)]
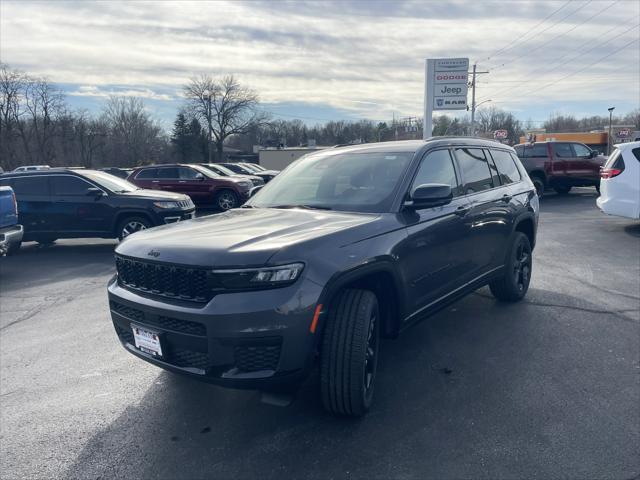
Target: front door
[(435, 253)]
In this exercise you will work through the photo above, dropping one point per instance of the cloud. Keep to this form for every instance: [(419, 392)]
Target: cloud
[(364, 58), (95, 91)]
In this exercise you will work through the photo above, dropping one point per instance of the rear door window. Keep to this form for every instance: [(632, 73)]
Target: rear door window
[(34, 186), (68, 185), (475, 170), (507, 169), (168, 173)]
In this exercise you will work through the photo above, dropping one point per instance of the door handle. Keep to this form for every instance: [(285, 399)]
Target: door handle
[(506, 198), (462, 210), (155, 181)]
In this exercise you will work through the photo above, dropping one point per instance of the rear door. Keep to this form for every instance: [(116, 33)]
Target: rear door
[(77, 211), (167, 179), (488, 218), (34, 203)]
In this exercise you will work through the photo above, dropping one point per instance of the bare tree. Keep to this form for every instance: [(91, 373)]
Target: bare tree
[(44, 104), (225, 106), (134, 136), (12, 84)]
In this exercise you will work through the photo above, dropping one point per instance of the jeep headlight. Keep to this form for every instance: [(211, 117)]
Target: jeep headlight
[(167, 204), (256, 278)]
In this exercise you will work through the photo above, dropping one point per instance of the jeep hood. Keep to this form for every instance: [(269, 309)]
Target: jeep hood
[(155, 195), (238, 237)]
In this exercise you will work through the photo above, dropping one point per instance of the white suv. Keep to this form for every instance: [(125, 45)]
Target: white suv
[(620, 182)]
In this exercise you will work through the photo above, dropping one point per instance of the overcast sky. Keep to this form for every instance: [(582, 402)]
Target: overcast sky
[(323, 60)]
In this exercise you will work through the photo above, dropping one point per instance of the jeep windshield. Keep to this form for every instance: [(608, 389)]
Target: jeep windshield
[(354, 182), (108, 181)]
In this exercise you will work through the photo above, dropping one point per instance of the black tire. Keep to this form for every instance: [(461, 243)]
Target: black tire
[(513, 285), (129, 225), (226, 200), (562, 190), (13, 248), (46, 241), (349, 354)]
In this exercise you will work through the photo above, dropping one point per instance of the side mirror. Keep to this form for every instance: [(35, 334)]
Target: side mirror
[(429, 195), (594, 154), (94, 192), (199, 177), (255, 190)]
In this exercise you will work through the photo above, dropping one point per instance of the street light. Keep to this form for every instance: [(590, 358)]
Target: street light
[(473, 115), (207, 95), (611, 109)]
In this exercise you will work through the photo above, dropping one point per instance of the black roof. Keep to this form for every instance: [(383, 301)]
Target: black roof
[(49, 171)]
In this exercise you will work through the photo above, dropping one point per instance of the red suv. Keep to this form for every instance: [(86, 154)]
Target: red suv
[(560, 165), (201, 184)]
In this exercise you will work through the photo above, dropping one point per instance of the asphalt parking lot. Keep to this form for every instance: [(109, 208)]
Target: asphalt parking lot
[(548, 388)]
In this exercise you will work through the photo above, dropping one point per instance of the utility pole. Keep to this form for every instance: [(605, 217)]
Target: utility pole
[(209, 126), (609, 136), (473, 98)]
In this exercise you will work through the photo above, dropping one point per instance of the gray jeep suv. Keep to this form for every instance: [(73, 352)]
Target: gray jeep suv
[(344, 247)]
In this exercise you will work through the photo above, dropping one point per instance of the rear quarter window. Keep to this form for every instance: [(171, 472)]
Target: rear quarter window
[(636, 153), (507, 169)]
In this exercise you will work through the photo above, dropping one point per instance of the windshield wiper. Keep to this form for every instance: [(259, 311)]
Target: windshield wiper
[(248, 206), (307, 207)]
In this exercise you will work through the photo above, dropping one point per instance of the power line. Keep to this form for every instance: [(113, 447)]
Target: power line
[(580, 70), (570, 60), (546, 29), (531, 29), (562, 34)]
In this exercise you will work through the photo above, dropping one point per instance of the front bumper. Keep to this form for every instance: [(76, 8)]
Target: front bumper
[(173, 216), (10, 236), (252, 340)]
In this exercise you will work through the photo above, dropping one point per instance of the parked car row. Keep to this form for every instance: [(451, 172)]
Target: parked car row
[(68, 203)]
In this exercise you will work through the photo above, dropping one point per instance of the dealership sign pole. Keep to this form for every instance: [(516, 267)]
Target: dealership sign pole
[(445, 88)]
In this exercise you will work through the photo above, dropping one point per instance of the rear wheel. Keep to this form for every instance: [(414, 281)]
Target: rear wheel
[(512, 286), (562, 190), (349, 356), (226, 200), (538, 182), (130, 225)]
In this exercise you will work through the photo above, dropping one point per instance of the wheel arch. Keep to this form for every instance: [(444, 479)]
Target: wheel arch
[(380, 278), (526, 224)]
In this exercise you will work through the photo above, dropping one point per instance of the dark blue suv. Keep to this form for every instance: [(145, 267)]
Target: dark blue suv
[(344, 247)]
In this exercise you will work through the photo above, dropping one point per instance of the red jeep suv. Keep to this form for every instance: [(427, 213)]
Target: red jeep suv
[(560, 165), (203, 186)]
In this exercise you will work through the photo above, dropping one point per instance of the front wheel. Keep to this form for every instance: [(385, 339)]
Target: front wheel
[(130, 225), (512, 286), (226, 200), (349, 356)]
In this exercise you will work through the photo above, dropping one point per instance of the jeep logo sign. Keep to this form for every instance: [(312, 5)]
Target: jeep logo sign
[(447, 83)]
